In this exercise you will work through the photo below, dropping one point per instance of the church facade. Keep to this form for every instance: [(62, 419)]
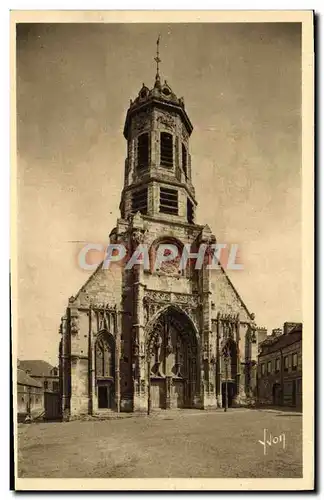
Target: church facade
[(144, 338)]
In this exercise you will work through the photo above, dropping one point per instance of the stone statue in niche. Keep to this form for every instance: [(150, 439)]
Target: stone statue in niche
[(179, 360), (169, 348), (74, 325), (253, 329), (138, 236), (157, 352), (184, 134)]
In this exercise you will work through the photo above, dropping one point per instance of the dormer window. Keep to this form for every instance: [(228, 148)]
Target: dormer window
[(166, 91), (184, 160), (143, 151), (166, 150)]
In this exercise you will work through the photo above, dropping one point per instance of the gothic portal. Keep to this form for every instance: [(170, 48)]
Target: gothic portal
[(153, 337)]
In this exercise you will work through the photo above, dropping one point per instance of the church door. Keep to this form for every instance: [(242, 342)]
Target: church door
[(105, 370), (173, 355)]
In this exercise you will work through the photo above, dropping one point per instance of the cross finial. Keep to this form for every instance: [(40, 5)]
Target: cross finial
[(157, 59)]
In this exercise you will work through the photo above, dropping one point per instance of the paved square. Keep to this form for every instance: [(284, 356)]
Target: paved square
[(189, 443)]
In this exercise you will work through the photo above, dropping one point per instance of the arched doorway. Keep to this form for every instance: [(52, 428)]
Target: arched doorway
[(105, 370), (172, 360), (229, 372)]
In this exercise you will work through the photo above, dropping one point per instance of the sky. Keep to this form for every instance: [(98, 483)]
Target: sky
[(242, 89)]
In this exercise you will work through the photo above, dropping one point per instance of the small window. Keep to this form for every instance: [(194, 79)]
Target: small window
[(294, 361), (262, 369), (286, 363), (143, 151), (55, 387), (166, 149), (190, 211), (169, 201), (45, 385), (277, 364), (269, 367), (139, 201), (184, 160)]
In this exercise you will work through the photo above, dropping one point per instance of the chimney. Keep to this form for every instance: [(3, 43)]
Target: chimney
[(290, 326)]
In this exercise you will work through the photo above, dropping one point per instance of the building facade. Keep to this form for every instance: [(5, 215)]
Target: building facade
[(280, 367), (43, 372), (145, 338), (30, 396)]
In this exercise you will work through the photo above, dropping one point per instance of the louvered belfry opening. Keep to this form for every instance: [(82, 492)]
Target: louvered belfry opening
[(143, 151), (166, 150), (139, 201), (168, 201), (184, 160)]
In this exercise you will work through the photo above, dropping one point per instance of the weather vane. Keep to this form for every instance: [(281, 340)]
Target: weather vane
[(157, 58)]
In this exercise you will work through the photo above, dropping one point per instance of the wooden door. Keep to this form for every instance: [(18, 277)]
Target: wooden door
[(157, 394)]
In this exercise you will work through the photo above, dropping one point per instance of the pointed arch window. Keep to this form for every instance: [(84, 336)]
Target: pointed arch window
[(166, 149), (104, 358)]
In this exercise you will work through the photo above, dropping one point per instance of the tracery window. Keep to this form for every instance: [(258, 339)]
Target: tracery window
[(104, 358)]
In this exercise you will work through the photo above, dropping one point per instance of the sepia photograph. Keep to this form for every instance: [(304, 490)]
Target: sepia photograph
[(161, 299)]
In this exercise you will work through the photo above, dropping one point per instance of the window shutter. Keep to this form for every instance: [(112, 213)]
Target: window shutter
[(166, 149)]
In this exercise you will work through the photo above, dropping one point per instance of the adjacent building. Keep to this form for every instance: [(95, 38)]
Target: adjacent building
[(280, 367), (30, 396), (42, 371)]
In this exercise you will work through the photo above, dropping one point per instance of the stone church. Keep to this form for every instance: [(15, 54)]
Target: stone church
[(137, 340)]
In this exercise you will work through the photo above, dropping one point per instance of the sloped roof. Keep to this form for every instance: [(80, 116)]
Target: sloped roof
[(24, 379), (37, 367), (279, 342)]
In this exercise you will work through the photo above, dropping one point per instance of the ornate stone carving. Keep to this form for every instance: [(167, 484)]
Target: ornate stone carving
[(156, 296), (157, 353), (141, 121), (184, 134), (168, 347), (252, 330), (74, 325), (155, 300), (171, 267), (166, 121)]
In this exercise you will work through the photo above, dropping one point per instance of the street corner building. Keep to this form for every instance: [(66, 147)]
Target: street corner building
[(136, 340), (280, 367)]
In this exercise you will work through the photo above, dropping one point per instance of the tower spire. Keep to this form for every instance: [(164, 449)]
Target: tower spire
[(157, 60)]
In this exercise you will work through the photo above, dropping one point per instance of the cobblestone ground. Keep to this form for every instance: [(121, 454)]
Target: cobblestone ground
[(189, 443)]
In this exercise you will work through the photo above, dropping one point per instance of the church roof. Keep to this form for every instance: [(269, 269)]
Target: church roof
[(161, 95)]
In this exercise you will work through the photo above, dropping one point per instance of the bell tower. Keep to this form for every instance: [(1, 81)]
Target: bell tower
[(157, 179)]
